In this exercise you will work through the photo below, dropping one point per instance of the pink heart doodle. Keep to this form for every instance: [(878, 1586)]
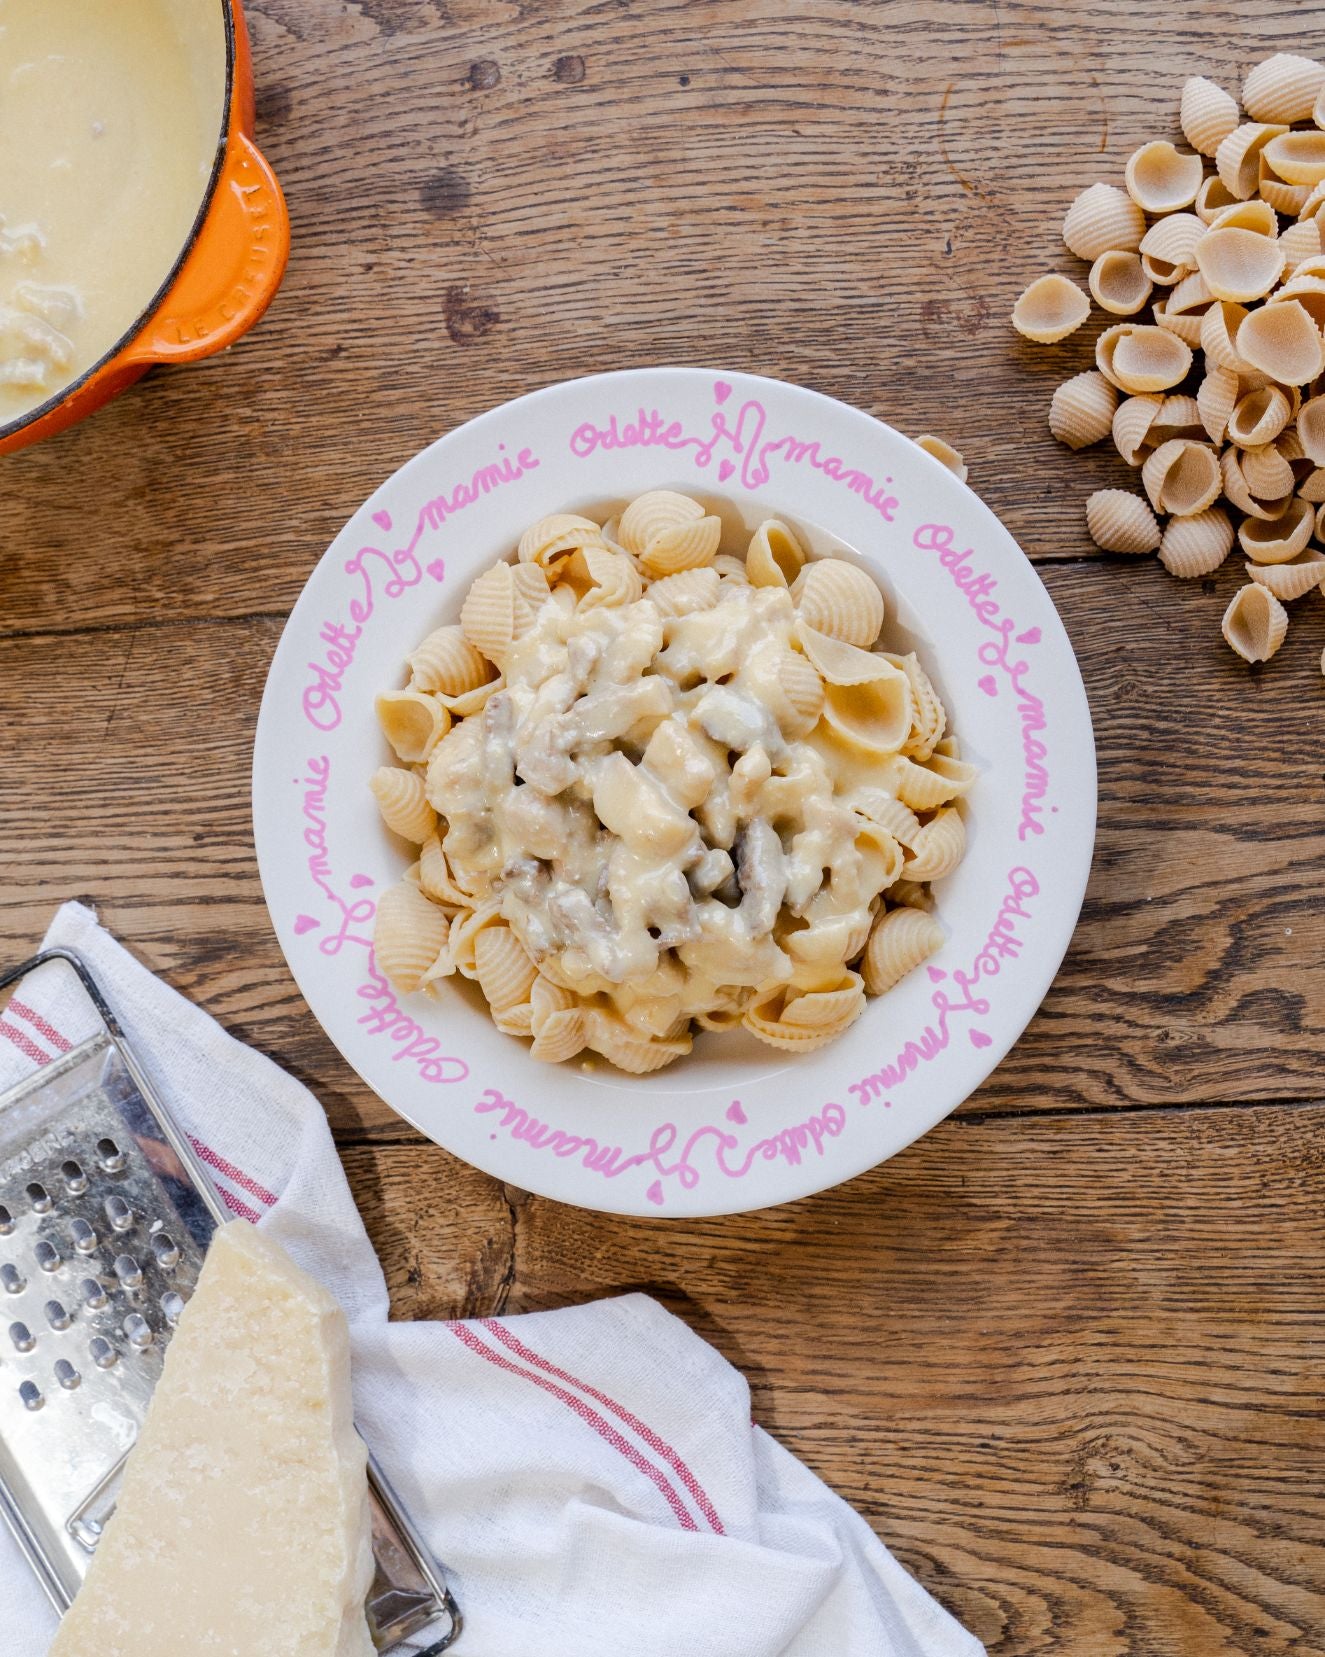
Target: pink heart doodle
[(437, 569), (304, 923), (988, 686), (1030, 636), (361, 880), (736, 1114), (721, 390), (980, 1039), (725, 470), (654, 1193), (382, 520), (936, 974)]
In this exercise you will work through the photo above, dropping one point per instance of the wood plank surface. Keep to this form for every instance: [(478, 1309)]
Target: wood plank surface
[(1066, 1352)]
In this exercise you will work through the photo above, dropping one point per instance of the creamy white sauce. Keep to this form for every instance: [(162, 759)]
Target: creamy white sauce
[(110, 115)]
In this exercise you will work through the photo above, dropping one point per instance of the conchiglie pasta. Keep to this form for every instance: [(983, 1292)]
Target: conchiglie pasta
[(1208, 114), (1121, 522), (1082, 409), (945, 454), (1050, 309), (1101, 218), (902, 940), (653, 514), (446, 662), (874, 717), (488, 617), (840, 600), (685, 546), (403, 803), (774, 557), (1282, 88), (409, 934), (1291, 580), (939, 846), (503, 968), (1198, 545), (412, 722), (685, 593), (1255, 623)]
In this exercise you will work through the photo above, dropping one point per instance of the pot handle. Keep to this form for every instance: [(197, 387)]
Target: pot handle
[(232, 271)]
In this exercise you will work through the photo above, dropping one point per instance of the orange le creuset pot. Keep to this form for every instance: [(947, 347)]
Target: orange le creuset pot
[(138, 222)]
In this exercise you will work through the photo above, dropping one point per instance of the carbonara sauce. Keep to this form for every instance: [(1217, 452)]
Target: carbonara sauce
[(110, 115)]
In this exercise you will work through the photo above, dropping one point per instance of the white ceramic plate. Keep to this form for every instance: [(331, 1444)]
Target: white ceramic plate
[(736, 1125)]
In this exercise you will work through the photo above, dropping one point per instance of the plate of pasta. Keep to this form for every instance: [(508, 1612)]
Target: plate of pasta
[(674, 792)]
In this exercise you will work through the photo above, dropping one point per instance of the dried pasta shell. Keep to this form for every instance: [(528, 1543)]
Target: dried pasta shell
[(1179, 416), (1216, 398), (552, 540), (1283, 88), (874, 717), (1140, 359), (1174, 239), (1185, 324), (1239, 264), (684, 546), (1288, 443), (1298, 157), (775, 556), (1118, 284), (1288, 199), (1121, 522), (945, 454), (1082, 409), (1300, 242), (1311, 429), (1314, 202), (1132, 421), (1239, 491), (600, 577), (409, 934), (840, 663), (1278, 540), (649, 515), (1293, 579), (1255, 623), (1259, 417), (1190, 299), (621, 1046), (1101, 218), (488, 615), (901, 941), (1305, 290), (800, 691), (560, 1037), (939, 846), (1207, 114), (435, 878), (683, 594), (1197, 545), (1182, 477), (1211, 199), (1219, 327), (838, 599), (412, 722), (1050, 309), (1160, 179), (1268, 475), (403, 804), (1239, 154), (1257, 216), (447, 662), (888, 812), (503, 968), (1313, 490)]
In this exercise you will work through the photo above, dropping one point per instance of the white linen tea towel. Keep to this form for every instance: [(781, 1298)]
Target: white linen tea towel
[(589, 1477)]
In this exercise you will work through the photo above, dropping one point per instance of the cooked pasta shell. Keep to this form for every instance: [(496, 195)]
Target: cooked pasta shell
[(560, 1037), (1239, 490), (945, 454), (1283, 88), (1101, 218), (1050, 309), (547, 998), (775, 556), (1298, 157), (800, 693), (409, 934), (552, 540), (447, 662), (926, 787), (1182, 477), (1268, 475), (1160, 179), (1132, 421), (654, 513), (620, 1045), (683, 594), (1311, 429), (1255, 623), (1207, 115), (1278, 540), (684, 546), (874, 717), (1179, 416), (513, 1021), (1121, 522), (801, 1023), (466, 930), (840, 663), (470, 702), (1216, 398), (1293, 579), (435, 878), (888, 812), (929, 718), (731, 569), (827, 943), (839, 599), (1288, 199), (901, 940), (1219, 328), (412, 722), (1239, 264), (503, 968), (1211, 199), (911, 894), (1141, 359), (488, 615), (403, 804), (600, 577), (1300, 242), (881, 858), (1119, 284), (1197, 545), (1259, 417), (531, 585), (939, 846), (1238, 156), (1082, 409), (1257, 216)]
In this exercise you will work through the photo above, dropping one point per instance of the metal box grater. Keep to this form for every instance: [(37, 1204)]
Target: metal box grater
[(105, 1215)]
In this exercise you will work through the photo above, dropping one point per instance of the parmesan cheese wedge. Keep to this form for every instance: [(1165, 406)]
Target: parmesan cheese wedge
[(242, 1526)]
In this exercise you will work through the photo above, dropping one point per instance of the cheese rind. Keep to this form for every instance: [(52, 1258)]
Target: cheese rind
[(242, 1527)]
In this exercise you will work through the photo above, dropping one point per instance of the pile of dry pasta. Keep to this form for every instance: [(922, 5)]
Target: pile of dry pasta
[(1217, 394)]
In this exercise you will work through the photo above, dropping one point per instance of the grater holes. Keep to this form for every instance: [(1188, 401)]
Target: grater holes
[(92, 1292), (39, 1197), (104, 1355), (83, 1237), (66, 1374), (119, 1213), (165, 1251), (12, 1280), (74, 1177), (110, 1158), (138, 1330), (129, 1272), (56, 1315), (23, 1338), (30, 1393), (6, 1221), (172, 1304), (47, 1256)]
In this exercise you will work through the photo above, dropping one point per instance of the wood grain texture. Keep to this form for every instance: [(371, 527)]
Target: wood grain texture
[(1066, 1352), (1069, 1368)]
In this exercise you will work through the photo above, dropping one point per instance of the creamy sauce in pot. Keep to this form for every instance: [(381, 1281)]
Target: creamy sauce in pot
[(110, 115)]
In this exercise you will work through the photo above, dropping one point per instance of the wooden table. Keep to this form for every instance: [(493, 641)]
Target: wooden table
[(1065, 1353)]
